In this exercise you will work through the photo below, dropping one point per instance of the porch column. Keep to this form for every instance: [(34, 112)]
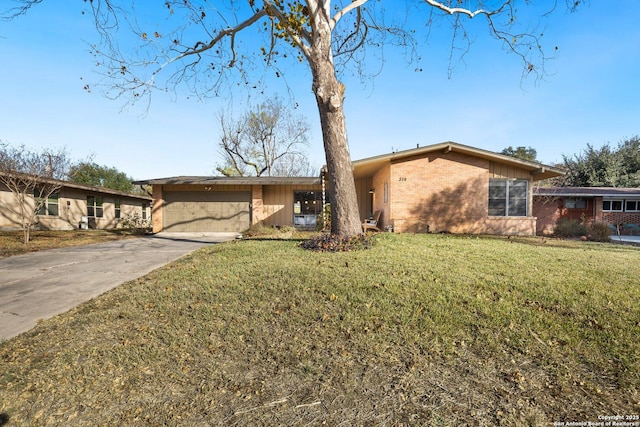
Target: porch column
[(157, 205)]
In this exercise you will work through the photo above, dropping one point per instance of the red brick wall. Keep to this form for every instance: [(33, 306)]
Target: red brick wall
[(621, 217), (549, 211)]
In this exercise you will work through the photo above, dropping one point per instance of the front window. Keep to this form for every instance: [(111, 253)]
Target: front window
[(508, 197), (144, 210), (575, 203), (117, 207), (307, 205), (48, 207), (94, 206)]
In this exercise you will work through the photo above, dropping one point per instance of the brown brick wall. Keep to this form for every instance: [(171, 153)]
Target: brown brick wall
[(441, 191)]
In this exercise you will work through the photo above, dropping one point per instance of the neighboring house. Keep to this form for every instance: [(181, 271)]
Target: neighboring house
[(445, 187), (615, 206), (76, 206)]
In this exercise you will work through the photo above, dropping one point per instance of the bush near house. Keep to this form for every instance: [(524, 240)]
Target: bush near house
[(566, 227), (599, 232)]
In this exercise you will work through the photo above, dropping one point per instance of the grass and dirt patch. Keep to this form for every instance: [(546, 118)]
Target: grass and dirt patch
[(12, 243), (435, 330)]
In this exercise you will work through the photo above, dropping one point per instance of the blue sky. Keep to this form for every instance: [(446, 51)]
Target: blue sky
[(592, 95)]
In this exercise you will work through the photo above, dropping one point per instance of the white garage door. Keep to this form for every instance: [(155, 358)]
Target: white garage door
[(198, 211)]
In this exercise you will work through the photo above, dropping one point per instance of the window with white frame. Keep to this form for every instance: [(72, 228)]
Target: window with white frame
[(508, 197), (620, 205), (95, 206), (612, 205), (116, 204), (632, 206), (50, 206), (144, 210)]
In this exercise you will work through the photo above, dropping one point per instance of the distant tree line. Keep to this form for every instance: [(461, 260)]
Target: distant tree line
[(603, 167), (606, 166)]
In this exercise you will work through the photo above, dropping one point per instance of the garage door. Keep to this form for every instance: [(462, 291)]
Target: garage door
[(206, 211)]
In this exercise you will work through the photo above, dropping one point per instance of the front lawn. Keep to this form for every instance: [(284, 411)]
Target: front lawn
[(435, 330)]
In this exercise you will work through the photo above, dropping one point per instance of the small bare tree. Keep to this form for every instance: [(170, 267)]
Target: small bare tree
[(266, 141), (32, 177)]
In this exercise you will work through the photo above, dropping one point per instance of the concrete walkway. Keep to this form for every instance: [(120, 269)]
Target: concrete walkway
[(627, 239), (40, 285)]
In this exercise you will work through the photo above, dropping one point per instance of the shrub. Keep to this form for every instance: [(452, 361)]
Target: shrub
[(599, 232), (570, 228), (135, 223)]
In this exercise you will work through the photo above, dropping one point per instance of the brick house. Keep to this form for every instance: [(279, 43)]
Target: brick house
[(75, 206), (619, 207), (445, 187)]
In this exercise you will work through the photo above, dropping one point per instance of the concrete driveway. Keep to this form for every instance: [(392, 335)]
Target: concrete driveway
[(40, 285)]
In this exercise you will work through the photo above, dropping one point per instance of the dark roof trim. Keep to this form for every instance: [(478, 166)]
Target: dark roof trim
[(587, 192), (234, 180)]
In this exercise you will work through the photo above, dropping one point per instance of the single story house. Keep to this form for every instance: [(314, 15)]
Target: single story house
[(618, 207), (76, 206), (447, 187)]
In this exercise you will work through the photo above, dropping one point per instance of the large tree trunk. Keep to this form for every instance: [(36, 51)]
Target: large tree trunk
[(345, 219)]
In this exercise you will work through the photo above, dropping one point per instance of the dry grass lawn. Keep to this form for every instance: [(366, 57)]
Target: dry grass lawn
[(432, 330), (11, 242)]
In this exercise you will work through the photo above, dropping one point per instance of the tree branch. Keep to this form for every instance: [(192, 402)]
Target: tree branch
[(353, 5), (463, 11)]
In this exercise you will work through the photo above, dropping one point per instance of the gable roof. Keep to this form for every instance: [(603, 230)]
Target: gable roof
[(366, 167), (587, 192)]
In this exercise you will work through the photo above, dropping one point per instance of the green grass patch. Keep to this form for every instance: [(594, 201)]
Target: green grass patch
[(417, 330)]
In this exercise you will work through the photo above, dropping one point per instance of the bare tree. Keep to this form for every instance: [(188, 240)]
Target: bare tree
[(205, 40), (33, 178), (266, 141)]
